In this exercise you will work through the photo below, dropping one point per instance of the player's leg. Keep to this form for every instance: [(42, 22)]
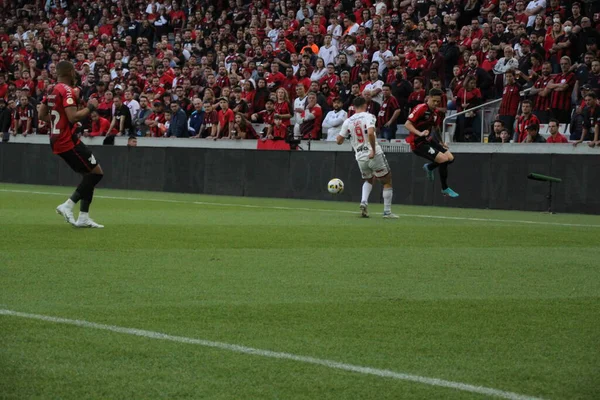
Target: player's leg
[(367, 176), (87, 186), (445, 159), (383, 173), (81, 160), (364, 201), (429, 152)]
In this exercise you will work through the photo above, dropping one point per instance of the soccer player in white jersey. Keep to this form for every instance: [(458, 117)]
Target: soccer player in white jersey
[(360, 129)]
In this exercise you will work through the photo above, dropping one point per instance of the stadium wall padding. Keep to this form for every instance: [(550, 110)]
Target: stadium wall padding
[(491, 180)]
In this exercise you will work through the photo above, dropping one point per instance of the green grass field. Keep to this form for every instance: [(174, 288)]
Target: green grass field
[(499, 303)]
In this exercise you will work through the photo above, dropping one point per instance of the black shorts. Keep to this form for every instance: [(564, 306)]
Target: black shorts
[(80, 158), (429, 150)]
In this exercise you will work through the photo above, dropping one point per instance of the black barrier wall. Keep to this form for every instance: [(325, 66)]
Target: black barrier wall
[(497, 181)]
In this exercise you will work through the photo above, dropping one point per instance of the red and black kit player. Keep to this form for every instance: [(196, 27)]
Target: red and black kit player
[(421, 121), (60, 110)]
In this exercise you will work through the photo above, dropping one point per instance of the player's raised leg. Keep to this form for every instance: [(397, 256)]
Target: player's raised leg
[(443, 160)]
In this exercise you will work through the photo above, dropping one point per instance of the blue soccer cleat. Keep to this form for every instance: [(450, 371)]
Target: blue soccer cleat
[(430, 175), (449, 192)]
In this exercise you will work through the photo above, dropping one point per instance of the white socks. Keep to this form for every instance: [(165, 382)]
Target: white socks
[(387, 199), (366, 191), (70, 203)]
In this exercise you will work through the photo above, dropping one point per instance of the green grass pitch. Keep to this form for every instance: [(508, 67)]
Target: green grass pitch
[(482, 298)]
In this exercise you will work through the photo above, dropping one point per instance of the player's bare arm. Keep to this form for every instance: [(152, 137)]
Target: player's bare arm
[(411, 128), (75, 116), (372, 142)]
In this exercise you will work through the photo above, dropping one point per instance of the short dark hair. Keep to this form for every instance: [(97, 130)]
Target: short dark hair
[(526, 101), (500, 122), (435, 92), (359, 101), (63, 68), (554, 120)]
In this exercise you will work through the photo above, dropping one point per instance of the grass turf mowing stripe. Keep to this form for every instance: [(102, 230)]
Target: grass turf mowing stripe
[(278, 355), (516, 221)]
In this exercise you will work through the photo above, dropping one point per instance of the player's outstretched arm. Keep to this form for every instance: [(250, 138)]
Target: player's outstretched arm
[(75, 116)]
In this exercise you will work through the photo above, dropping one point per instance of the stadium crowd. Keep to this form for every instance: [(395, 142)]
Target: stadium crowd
[(215, 69)]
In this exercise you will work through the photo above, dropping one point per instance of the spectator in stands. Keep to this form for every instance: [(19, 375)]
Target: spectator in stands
[(121, 120), (310, 125), (523, 121), (225, 118), (504, 64), (562, 88), (469, 96), (594, 77), (497, 129), (5, 120), (334, 119), (591, 121), (210, 121), (100, 125), (388, 114), (277, 131), (576, 126), (555, 135), (242, 128), (417, 96), (22, 120), (155, 120), (510, 102), (132, 104), (542, 94), (196, 120), (533, 134), (178, 126), (139, 121)]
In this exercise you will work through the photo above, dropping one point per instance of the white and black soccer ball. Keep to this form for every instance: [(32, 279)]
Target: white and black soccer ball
[(335, 186)]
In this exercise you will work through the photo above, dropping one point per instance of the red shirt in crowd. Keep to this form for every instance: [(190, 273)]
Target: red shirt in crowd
[(561, 100), (558, 138), (542, 103), (510, 100), (388, 107), (100, 127), (224, 118), (522, 123)]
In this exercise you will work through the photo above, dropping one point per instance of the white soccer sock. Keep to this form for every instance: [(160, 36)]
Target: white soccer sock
[(83, 215), (387, 199), (366, 191), (70, 203)]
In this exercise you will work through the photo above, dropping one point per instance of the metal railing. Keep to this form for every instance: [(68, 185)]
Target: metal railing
[(489, 103)]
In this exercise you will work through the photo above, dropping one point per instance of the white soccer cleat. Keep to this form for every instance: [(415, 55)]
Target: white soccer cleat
[(363, 210), (87, 222), (389, 215), (66, 212)]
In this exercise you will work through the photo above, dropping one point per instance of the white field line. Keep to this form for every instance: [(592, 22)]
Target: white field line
[(383, 373), (206, 203)]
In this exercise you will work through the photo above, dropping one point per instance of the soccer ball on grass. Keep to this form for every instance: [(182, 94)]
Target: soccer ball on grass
[(335, 186)]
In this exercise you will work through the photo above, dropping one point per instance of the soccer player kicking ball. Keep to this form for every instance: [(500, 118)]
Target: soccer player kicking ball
[(422, 119), (369, 155), (60, 110)]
